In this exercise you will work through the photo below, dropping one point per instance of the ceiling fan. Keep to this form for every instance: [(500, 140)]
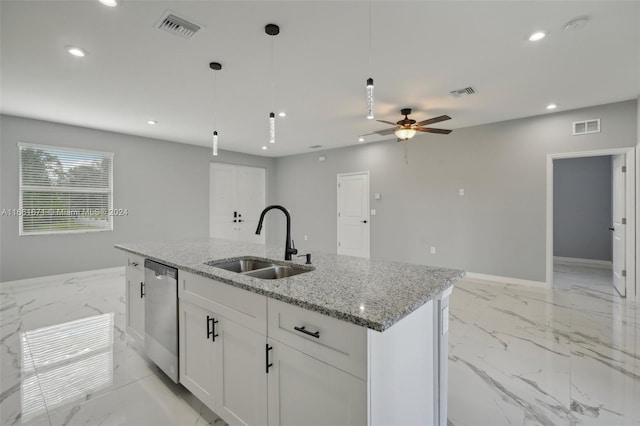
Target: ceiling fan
[(406, 128)]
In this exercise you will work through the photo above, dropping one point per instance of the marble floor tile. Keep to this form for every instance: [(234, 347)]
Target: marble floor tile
[(563, 356), (66, 359), (518, 355)]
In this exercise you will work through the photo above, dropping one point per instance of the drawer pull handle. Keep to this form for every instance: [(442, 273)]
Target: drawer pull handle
[(141, 289), (211, 329), (315, 334)]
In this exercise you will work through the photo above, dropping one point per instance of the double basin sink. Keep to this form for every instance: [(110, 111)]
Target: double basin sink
[(260, 268)]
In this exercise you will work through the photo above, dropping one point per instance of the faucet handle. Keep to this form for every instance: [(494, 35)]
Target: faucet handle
[(293, 249)]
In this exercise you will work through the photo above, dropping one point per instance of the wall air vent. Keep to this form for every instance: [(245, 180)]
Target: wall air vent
[(315, 146), (176, 25), (586, 127), (462, 92)]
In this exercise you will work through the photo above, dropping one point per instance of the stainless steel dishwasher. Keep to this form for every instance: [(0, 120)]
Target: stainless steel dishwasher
[(161, 316)]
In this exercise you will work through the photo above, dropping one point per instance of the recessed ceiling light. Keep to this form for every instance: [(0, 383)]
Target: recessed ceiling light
[(110, 3), (538, 35), (76, 51), (152, 122), (282, 114), (552, 106), (360, 139), (264, 147)]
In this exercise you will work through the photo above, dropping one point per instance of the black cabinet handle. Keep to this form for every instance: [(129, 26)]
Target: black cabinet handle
[(141, 289), (611, 229), (211, 329), (266, 356), (364, 221), (315, 334)]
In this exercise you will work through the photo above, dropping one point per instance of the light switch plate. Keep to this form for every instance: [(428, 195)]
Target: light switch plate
[(461, 191), (377, 196)]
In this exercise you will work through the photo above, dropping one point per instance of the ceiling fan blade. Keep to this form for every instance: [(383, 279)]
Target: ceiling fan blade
[(387, 122), (385, 131), (433, 120), (432, 130)]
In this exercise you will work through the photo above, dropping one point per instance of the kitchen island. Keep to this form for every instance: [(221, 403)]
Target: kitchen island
[(345, 341)]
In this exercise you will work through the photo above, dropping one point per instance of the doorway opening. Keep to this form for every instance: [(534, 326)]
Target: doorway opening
[(590, 218)]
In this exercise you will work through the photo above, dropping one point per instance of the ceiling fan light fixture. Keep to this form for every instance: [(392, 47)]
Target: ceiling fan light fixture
[(405, 133)]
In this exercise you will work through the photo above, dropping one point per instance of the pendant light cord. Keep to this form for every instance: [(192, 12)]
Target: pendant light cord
[(369, 36), (215, 101), (273, 73)]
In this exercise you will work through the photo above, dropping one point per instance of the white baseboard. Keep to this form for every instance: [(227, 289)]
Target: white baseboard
[(61, 277), (593, 263), (506, 280)]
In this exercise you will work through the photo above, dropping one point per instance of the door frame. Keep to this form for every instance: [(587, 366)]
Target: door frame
[(339, 175), (630, 154)]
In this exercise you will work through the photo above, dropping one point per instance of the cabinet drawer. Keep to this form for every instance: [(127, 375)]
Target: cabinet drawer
[(244, 307), (135, 261), (335, 342)]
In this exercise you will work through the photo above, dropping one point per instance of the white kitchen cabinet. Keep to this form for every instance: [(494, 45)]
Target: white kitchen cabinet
[(237, 197), (227, 374), (305, 391), (135, 298), (197, 351)]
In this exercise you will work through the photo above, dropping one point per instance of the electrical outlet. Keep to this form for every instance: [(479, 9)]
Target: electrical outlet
[(461, 191), (373, 212), (433, 250), (306, 238)]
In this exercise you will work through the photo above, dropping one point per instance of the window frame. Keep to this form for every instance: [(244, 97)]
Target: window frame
[(22, 188)]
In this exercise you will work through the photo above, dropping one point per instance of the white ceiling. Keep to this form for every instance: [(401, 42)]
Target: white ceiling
[(421, 50)]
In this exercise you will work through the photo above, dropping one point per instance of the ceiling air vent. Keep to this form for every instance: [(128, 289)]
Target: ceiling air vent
[(176, 25), (462, 92), (586, 127)]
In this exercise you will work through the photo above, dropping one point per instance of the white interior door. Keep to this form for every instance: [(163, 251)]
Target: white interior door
[(237, 197), (619, 224), (250, 202), (222, 201), (353, 214)]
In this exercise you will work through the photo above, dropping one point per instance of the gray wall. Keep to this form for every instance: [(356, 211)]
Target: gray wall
[(164, 186), (498, 227), (582, 208)]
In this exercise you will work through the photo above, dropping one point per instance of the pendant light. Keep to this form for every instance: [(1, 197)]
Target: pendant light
[(370, 115), (272, 30), (215, 66)]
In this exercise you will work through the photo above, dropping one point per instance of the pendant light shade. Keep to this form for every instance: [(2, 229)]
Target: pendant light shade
[(370, 98), (272, 128), (215, 142)]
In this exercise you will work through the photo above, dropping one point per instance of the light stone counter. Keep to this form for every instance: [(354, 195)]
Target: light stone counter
[(371, 293)]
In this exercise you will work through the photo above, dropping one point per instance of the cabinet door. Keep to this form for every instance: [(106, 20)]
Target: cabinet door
[(197, 351), (222, 201), (135, 304), (241, 378), (304, 391), (250, 201)]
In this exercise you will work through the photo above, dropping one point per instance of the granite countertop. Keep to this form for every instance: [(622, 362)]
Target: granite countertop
[(370, 293)]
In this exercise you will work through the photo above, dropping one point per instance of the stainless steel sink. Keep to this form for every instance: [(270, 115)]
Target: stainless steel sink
[(240, 265), (260, 268), (276, 272)]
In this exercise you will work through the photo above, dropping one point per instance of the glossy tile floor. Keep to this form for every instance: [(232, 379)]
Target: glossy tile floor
[(526, 356), (519, 355)]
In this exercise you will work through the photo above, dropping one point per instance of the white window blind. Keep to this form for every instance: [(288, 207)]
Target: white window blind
[(64, 190)]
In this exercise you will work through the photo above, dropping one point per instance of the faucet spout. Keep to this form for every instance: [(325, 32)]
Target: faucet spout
[(289, 246)]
